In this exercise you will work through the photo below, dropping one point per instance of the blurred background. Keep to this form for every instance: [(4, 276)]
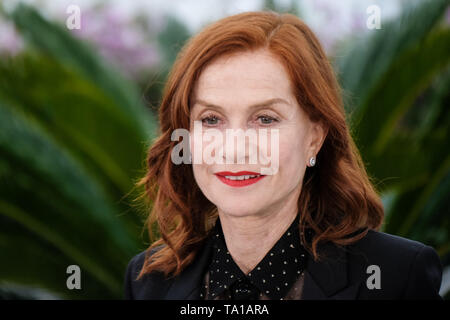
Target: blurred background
[(78, 110)]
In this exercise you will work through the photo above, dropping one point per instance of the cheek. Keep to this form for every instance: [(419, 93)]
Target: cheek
[(292, 155), (200, 174), (203, 180)]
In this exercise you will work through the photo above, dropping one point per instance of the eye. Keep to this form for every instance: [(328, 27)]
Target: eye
[(265, 119), (210, 120)]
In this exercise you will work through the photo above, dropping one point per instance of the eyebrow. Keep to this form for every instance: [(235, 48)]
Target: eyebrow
[(253, 106)]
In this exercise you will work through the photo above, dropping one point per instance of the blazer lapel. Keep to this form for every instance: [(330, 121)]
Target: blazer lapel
[(187, 285), (324, 279), (327, 278)]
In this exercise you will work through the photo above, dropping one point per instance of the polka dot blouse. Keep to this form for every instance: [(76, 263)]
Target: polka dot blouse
[(279, 275)]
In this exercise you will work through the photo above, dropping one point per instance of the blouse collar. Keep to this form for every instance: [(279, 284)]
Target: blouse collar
[(273, 276)]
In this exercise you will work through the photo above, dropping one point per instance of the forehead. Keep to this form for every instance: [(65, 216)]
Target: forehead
[(245, 76)]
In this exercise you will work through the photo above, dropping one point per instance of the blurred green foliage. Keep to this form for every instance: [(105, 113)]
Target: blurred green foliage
[(73, 140), (74, 134), (396, 85)]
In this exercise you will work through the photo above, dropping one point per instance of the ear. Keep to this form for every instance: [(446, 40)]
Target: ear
[(318, 133)]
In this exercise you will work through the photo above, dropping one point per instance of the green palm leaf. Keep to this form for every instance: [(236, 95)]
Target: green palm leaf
[(60, 44), (45, 191)]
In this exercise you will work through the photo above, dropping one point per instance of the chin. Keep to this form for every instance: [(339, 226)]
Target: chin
[(239, 207)]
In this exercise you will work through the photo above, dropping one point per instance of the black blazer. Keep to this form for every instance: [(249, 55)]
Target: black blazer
[(408, 270)]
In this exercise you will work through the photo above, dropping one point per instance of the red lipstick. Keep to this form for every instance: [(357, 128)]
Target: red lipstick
[(245, 178)]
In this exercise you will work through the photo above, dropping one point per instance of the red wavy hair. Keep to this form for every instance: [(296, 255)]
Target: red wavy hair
[(337, 196)]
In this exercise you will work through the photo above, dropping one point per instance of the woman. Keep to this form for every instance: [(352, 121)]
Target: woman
[(300, 225)]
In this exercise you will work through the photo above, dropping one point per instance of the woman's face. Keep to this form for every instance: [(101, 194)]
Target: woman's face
[(231, 93)]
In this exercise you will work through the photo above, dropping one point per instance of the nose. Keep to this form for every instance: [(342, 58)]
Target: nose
[(241, 146)]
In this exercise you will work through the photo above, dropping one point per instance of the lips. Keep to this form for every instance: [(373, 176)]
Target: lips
[(239, 179)]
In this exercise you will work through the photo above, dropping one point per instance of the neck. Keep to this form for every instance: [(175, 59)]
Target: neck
[(249, 238)]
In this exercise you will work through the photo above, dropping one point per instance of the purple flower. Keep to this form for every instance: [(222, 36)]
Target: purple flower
[(119, 39), (10, 41)]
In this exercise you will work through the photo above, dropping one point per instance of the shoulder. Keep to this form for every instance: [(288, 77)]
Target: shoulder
[(388, 245), (138, 288), (407, 268)]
